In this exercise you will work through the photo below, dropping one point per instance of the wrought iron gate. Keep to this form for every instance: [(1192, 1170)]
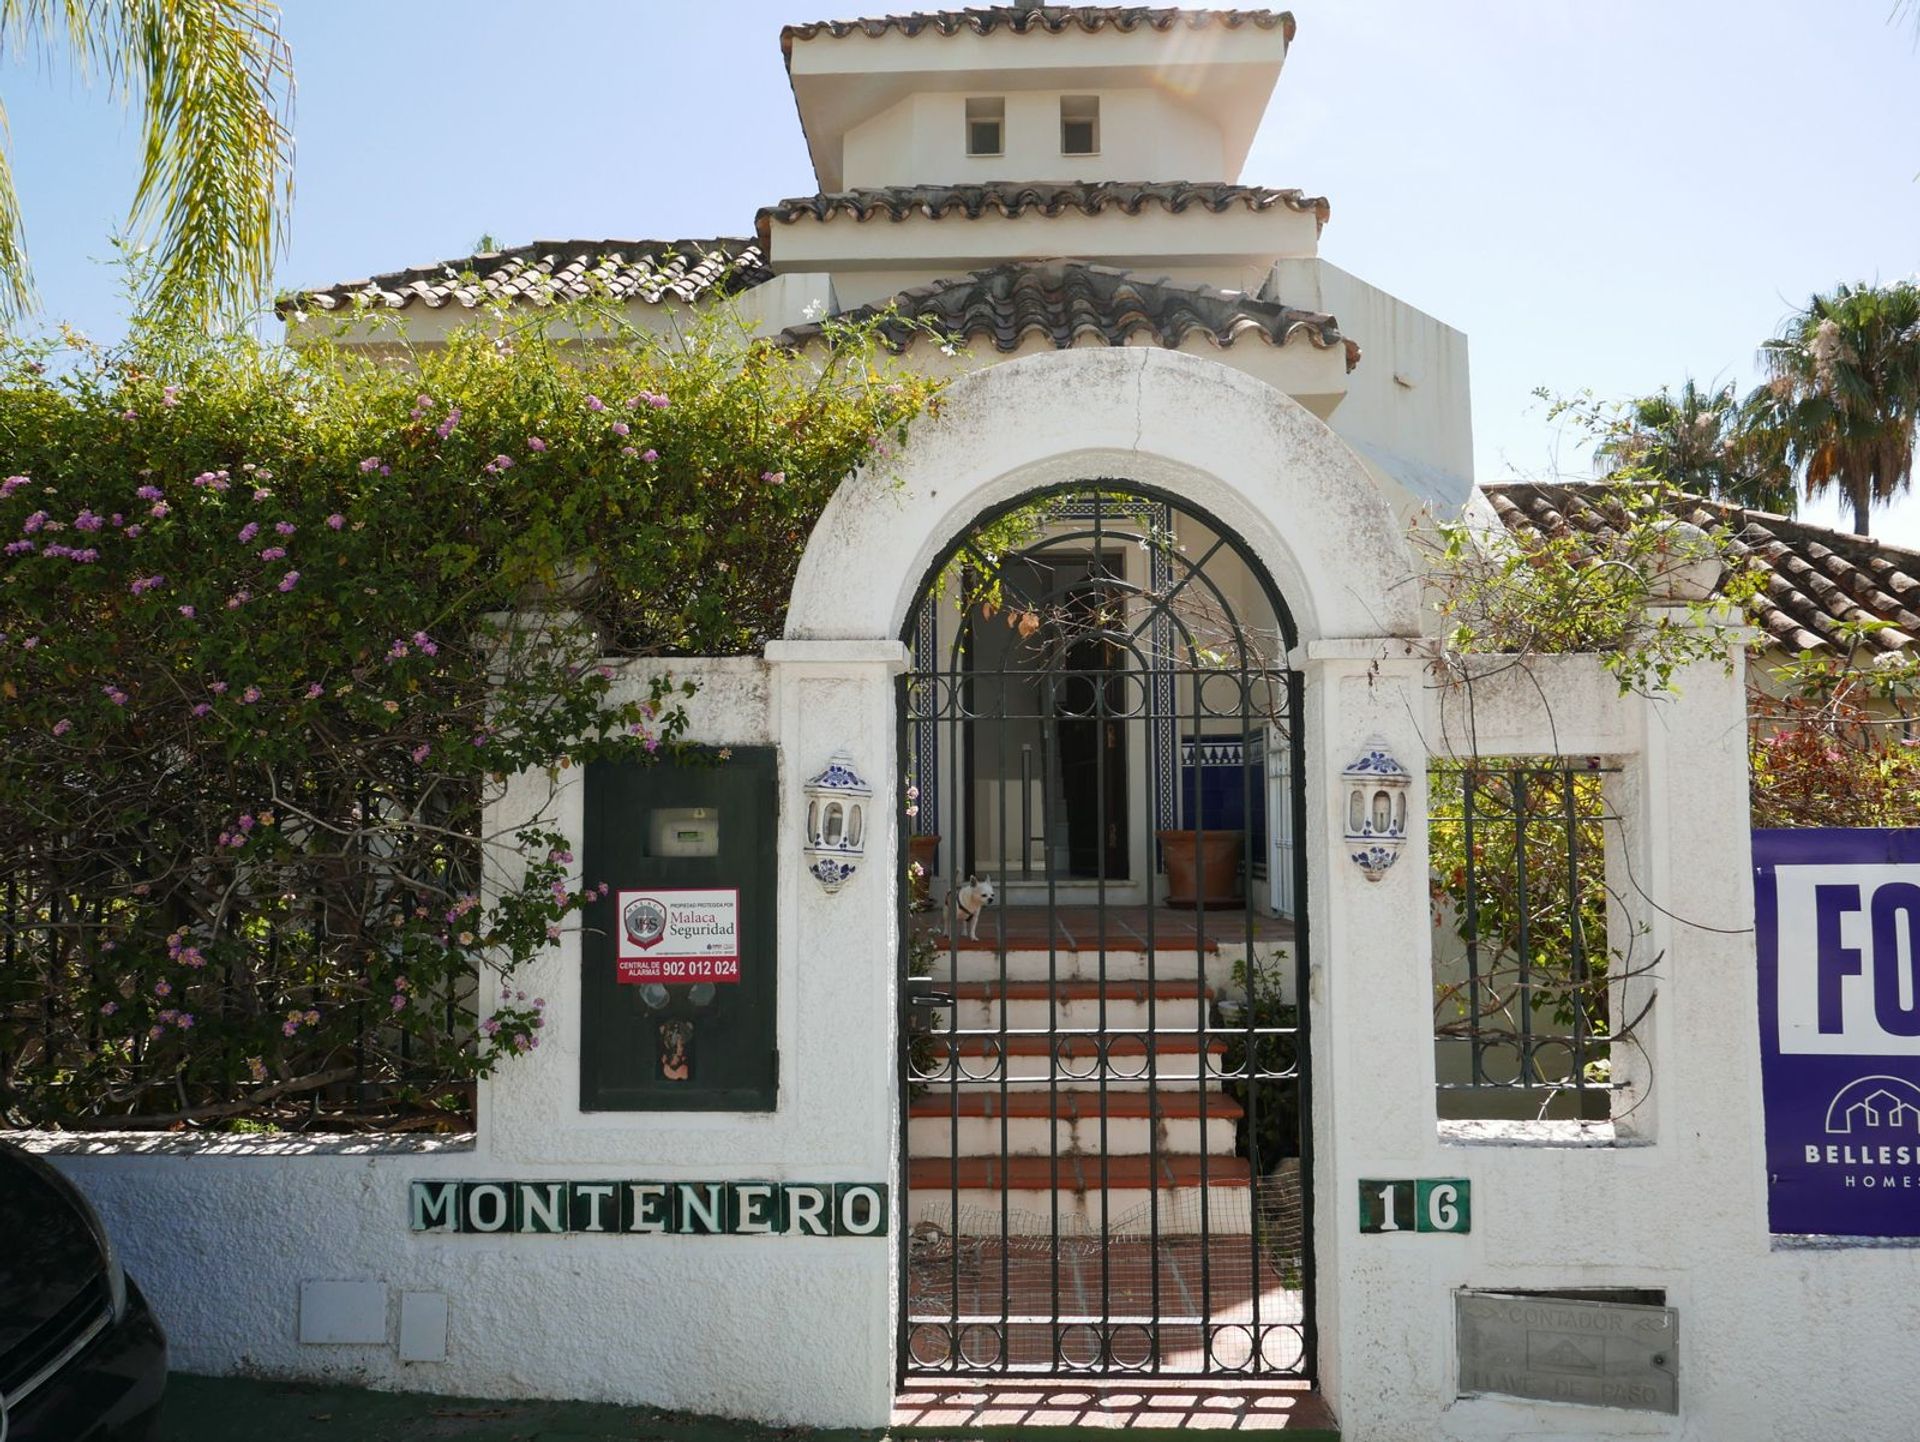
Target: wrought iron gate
[(1103, 1068)]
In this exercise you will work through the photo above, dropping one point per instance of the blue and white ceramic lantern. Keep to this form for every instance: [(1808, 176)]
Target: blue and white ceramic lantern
[(1377, 786), (836, 823)]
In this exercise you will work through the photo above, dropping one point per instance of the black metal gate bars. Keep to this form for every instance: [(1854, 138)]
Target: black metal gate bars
[(1103, 1067)]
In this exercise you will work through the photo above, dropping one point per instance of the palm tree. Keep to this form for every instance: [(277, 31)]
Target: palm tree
[(1697, 441), (214, 82), (1843, 391)]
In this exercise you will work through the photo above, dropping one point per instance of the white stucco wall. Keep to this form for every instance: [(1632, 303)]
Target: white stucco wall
[(1776, 1340), (1409, 409), (922, 139)]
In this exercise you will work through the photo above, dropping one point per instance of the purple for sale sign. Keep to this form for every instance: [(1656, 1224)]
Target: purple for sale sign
[(1838, 918)]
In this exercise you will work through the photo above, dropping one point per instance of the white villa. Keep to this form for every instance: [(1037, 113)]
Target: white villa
[(1166, 1130)]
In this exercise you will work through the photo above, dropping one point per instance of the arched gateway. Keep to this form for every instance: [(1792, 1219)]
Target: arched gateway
[(1103, 843)]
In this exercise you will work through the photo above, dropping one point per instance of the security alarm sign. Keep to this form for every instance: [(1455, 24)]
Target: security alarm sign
[(679, 936)]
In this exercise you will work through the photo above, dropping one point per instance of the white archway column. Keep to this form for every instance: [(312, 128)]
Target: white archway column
[(838, 1060), (1370, 991)]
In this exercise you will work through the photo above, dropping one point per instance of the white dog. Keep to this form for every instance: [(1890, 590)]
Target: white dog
[(969, 900)]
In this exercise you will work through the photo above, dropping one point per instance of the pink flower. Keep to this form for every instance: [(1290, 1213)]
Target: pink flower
[(285, 528), (535, 444), (161, 510), (114, 694), (133, 532), (274, 553), (62, 726), (34, 522), (203, 709), (143, 584), (594, 403), (170, 396), (773, 478), (163, 987), (249, 696), (289, 1027), (109, 1008), (425, 643), (315, 691), (219, 688), (261, 493), (399, 1000), (87, 521), (649, 455), (421, 752), (249, 531), (445, 428), (369, 465), (150, 493), (184, 1020), (10, 485), (336, 521), (187, 611), (290, 580), (621, 428)]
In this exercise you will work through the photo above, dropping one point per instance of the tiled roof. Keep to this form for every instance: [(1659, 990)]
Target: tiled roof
[(1816, 578), (1048, 19), (647, 270), (1012, 198), (1069, 302)]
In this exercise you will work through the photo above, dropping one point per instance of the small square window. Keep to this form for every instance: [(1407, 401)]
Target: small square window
[(1080, 125), (986, 126)]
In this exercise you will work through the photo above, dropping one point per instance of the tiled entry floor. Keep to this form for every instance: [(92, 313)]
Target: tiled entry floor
[(1010, 1408)]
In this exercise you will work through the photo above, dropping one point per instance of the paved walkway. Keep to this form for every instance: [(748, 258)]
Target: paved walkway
[(206, 1409)]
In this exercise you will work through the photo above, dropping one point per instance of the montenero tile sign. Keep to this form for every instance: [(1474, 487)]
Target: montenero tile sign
[(676, 936), (1416, 1204), (629, 1208), (1837, 919)]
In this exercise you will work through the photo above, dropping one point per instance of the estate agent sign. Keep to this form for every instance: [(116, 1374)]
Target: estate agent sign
[(1838, 919)]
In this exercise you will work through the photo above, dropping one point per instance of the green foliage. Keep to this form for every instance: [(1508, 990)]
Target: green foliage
[(1269, 1129), (1615, 597), (1832, 746), (1843, 394), (214, 83), (1696, 442), (275, 627), (1516, 851)]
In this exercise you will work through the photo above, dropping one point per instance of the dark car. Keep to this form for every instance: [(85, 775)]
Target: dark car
[(81, 1357)]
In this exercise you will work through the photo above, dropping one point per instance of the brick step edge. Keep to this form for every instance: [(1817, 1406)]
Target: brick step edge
[(1119, 990), (1075, 1105), (1078, 1173), (1072, 1044)]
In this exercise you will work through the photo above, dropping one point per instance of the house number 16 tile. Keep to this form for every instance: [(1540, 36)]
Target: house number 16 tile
[(1416, 1204)]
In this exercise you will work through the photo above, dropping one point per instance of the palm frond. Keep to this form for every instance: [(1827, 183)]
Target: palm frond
[(216, 84), (16, 278)]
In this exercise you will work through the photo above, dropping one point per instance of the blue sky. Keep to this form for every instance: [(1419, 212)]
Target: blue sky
[(1611, 194)]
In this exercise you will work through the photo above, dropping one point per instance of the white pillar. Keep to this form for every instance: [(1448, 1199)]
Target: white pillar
[(1371, 990), (839, 1067)]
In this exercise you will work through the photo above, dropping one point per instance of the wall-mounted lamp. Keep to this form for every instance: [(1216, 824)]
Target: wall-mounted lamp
[(1377, 787), (836, 836)]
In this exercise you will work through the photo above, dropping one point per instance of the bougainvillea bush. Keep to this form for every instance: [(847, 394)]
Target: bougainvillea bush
[(276, 625)]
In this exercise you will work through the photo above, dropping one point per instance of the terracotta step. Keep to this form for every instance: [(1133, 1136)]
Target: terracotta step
[(1077, 1173), (1075, 1104), (1068, 1044), (1131, 991)]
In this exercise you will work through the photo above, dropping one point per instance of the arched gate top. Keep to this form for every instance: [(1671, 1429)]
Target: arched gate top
[(1237, 449)]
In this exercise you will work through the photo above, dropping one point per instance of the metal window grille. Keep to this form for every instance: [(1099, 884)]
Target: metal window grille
[(1522, 1019), (69, 989)]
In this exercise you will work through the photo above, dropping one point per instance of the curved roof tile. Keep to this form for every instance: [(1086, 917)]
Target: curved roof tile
[(1070, 303), (1816, 579), (1014, 198), (1044, 19), (551, 270)]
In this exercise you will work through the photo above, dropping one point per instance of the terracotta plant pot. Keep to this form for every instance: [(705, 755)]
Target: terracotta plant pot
[(921, 851), (1184, 852)]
